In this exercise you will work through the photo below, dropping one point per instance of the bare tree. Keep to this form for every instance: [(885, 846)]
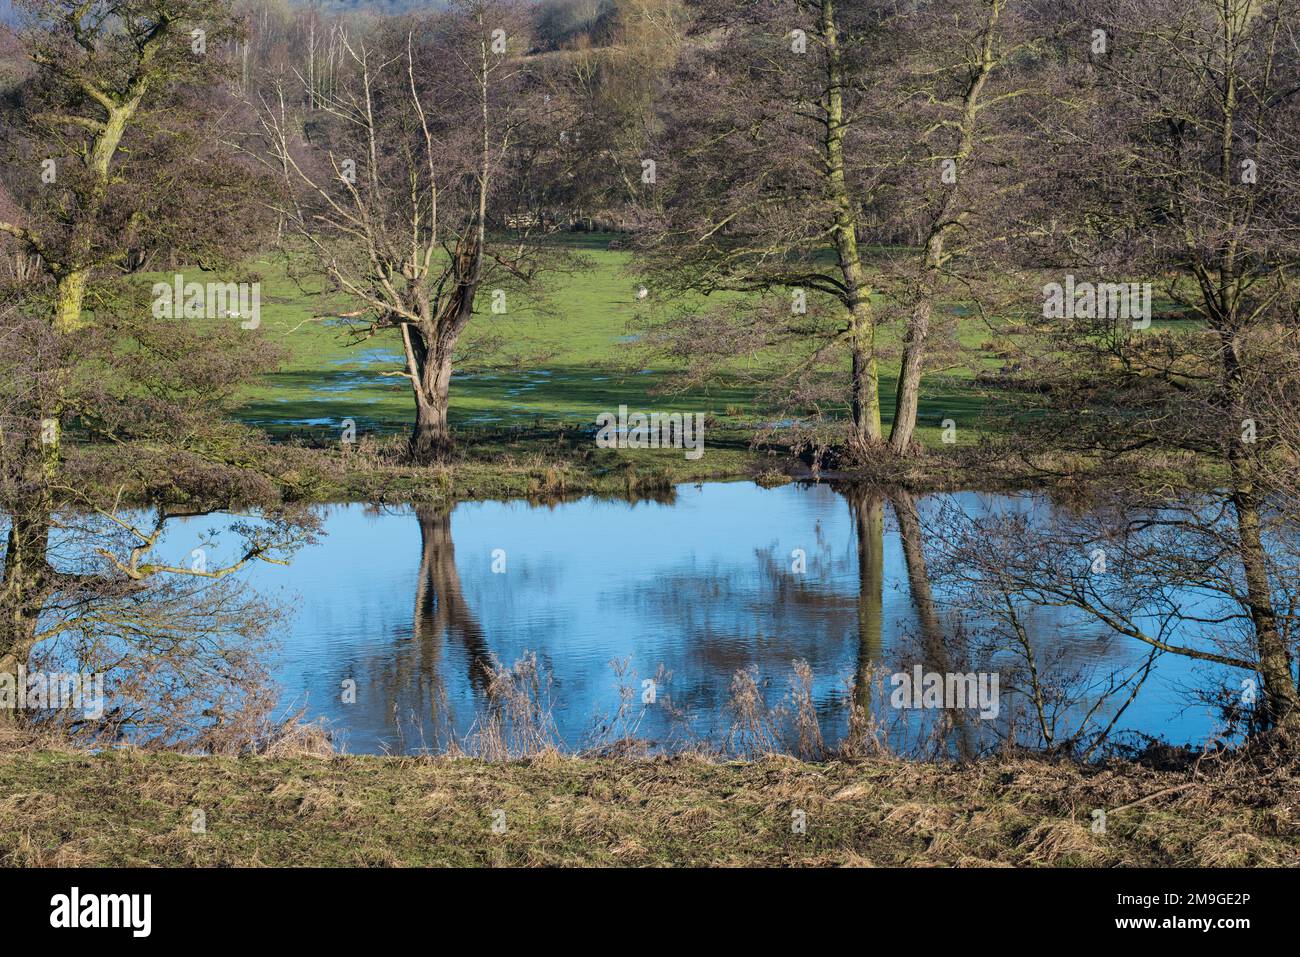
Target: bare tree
[(396, 205), (762, 170), (962, 104), (845, 161), (1189, 130)]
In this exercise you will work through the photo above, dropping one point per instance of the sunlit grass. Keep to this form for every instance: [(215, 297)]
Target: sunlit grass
[(564, 351)]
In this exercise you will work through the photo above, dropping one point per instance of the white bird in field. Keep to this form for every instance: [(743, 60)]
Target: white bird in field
[(642, 292)]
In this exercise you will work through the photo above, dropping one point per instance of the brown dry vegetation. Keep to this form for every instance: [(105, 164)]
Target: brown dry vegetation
[(129, 807)]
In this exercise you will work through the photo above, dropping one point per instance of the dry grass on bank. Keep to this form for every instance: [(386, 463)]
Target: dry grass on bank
[(60, 808)]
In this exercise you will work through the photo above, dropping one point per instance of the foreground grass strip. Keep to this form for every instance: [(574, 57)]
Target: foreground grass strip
[(137, 808)]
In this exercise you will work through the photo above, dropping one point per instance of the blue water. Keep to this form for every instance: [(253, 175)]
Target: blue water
[(407, 605)]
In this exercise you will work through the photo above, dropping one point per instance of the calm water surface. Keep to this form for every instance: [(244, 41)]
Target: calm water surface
[(405, 603)]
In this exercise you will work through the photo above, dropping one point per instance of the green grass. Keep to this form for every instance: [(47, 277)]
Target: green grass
[(564, 352), (135, 808), (570, 361), (569, 354)]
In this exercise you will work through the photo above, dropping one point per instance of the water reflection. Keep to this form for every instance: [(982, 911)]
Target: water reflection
[(441, 612), (406, 604), (936, 651), (868, 510)]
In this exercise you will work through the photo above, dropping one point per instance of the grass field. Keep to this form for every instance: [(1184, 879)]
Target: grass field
[(137, 808), (566, 352), (525, 397)]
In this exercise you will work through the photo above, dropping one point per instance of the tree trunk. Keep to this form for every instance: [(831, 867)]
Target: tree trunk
[(25, 586), (71, 292), (1281, 700), (908, 397), (71, 295), (865, 398), (948, 216), (867, 429), (430, 438)]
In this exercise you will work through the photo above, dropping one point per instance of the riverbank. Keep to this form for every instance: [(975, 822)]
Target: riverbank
[(551, 463), (133, 808)]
